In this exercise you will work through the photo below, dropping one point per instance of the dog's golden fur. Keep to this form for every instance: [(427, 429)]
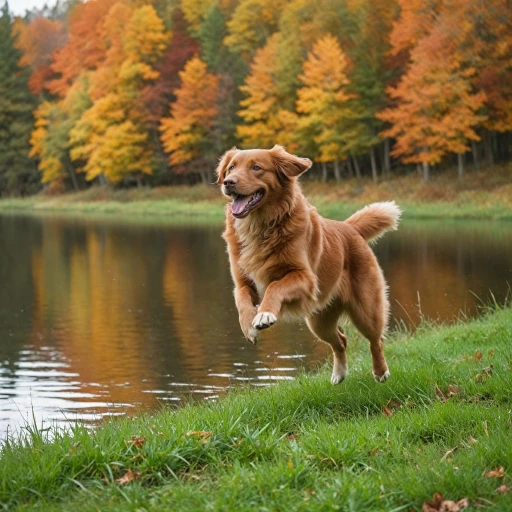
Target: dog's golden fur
[(289, 262)]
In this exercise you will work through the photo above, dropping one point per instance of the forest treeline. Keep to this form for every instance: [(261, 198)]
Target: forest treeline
[(153, 91)]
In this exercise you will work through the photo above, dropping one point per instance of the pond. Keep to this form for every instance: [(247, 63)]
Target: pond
[(101, 317)]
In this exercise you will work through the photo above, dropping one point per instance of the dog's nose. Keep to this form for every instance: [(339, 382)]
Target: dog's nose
[(229, 182)]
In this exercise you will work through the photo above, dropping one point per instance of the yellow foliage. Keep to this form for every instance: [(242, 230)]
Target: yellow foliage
[(265, 121), (110, 137), (323, 101), (195, 11), (252, 22)]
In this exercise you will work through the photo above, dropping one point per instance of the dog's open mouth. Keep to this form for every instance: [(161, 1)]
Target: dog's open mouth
[(242, 205)]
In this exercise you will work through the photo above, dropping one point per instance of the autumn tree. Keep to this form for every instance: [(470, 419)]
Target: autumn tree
[(266, 122), (327, 115), (186, 134), (110, 140), (37, 41), (50, 141), (436, 109), (18, 174), (86, 47), (252, 23)]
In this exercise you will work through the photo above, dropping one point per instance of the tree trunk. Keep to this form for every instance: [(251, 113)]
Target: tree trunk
[(337, 175), (419, 170), (460, 163), (476, 161), (139, 180), (374, 164), (72, 173), (426, 171), (102, 180), (489, 155), (387, 162), (356, 167), (324, 171), (350, 169)]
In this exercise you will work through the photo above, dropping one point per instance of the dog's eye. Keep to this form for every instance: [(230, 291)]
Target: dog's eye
[(231, 167), (256, 167)]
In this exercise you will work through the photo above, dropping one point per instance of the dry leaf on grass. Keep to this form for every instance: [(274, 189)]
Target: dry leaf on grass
[(503, 489), (137, 441), (439, 504), (387, 411), (128, 477), (496, 473)]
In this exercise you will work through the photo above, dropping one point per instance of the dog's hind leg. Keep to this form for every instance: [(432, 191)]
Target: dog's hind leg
[(370, 317), (324, 325)]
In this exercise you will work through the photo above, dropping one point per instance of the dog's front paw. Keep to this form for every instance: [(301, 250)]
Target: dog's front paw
[(250, 333), (381, 378), (264, 321)]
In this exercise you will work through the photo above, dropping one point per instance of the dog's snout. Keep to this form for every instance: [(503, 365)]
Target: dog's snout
[(229, 182)]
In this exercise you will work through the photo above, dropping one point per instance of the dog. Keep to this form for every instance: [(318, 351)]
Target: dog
[(287, 262)]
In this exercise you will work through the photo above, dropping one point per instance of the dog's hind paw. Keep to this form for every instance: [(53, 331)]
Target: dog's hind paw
[(264, 321), (382, 378), (252, 336)]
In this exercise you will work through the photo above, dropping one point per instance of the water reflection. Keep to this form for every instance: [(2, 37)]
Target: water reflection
[(98, 317)]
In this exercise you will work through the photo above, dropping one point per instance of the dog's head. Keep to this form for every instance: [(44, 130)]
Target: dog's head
[(255, 178)]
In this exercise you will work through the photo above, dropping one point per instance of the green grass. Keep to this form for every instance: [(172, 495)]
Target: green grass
[(300, 445)]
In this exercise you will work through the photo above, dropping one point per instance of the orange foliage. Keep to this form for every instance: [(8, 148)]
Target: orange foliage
[(38, 40), (436, 110), (86, 47), (185, 133)]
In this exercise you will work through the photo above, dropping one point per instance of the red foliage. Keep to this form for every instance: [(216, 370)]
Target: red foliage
[(154, 98)]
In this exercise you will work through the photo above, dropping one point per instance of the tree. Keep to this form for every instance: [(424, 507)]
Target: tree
[(195, 11), (86, 47), (436, 110), (37, 41), (266, 122), (252, 23), (327, 114), (136, 39), (50, 142), (186, 133), (18, 173)]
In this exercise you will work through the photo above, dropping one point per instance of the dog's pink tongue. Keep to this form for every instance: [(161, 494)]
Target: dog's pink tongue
[(239, 204)]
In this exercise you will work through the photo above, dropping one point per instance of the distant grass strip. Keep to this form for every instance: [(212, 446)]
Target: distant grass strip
[(440, 424), (485, 195)]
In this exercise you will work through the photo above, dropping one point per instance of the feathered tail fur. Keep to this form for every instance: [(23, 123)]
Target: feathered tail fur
[(374, 220)]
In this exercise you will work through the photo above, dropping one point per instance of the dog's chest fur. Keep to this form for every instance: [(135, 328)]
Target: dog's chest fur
[(263, 252)]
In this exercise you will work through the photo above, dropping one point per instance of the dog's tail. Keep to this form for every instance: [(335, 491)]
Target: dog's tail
[(375, 219)]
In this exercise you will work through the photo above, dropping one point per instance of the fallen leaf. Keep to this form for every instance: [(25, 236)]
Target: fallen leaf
[(291, 437), (439, 504), (496, 473), (128, 477), (290, 464), (387, 411), (478, 355), (472, 440), (137, 441), (503, 489)]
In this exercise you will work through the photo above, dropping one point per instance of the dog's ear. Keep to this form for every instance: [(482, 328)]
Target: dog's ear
[(223, 164), (290, 165)]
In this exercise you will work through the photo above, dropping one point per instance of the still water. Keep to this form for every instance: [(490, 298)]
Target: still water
[(101, 317)]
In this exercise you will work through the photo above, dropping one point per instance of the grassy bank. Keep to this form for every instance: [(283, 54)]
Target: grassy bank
[(485, 195), (440, 424)]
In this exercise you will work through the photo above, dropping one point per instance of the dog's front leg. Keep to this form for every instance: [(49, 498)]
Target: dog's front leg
[(298, 285), (245, 300)]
